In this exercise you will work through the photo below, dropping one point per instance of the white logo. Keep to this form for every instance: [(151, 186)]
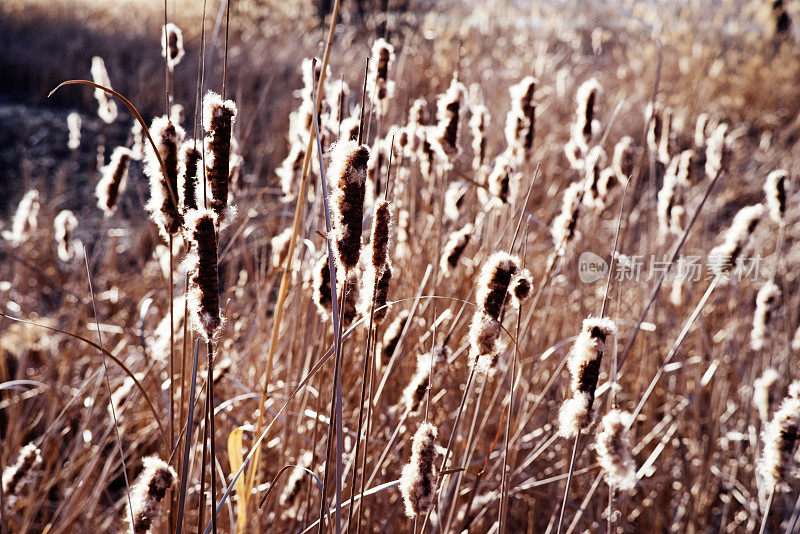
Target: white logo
[(591, 267)]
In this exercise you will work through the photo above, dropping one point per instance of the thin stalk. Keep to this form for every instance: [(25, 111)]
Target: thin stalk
[(212, 448), (188, 440), (569, 479), (766, 513)]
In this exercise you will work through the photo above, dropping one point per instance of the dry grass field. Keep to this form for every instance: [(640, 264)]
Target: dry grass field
[(418, 267)]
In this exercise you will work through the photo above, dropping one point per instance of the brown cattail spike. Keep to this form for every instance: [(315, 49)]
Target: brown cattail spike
[(347, 173), (613, 447), (450, 108), (218, 119), (171, 44), (723, 258), (418, 480), (775, 192), (147, 494), (584, 366), (113, 180), (379, 87), (779, 437), (162, 205), (65, 224), (22, 473), (190, 172), (203, 277)]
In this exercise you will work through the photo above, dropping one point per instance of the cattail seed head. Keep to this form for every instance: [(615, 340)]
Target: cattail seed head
[(668, 197), (280, 247), (107, 108), (454, 199), (291, 170), (321, 287), (347, 173), (415, 391), (586, 127), (25, 217), (766, 303), (761, 391), (454, 248), (379, 88), (477, 125), (717, 151), (593, 163), (418, 480), (613, 447), (337, 94), (162, 205), (171, 44), (191, 169), (201, 263), (622, 161), (723, 257), (584, 367), (563, 227), (521, 119), (449, 110), (64, 225), (382, 293), (113, 179), (74, 127), (147, 494), (218, 119), (500, 179), (779, 437), (775, 192), (391, 336), (21, 474)]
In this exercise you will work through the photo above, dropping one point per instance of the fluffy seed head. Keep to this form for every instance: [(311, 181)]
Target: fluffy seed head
[(21, 474), (454, 198), (379, 88), (347, 173), (477, 125), (147, 494), (761, 391), (449, 110), (723, 257), (584, 367), (171, 44), (454, 248), (613, 447), (25, 218), (218, 119), (201, 263), (779, 437), (766, 303), (191, 169), (162, 205), (74, 127), (418, 480), (391, 336), (717, 151), (107, 108), (563, 227), (585, 128), (622, 161), (521, 119), (113, 179), (775, 192), (321, 287), (64, 225)]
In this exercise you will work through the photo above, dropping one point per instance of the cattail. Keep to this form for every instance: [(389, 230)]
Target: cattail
[(164, 188), (563, 227), (779, 437), (427, 150), (107, 108), (295, 481), (171, 45), (418, 480), (574, 154), (520, 121), (290, 171), (761, 391), (348, 172), (724, 257), (201, 263), (351, 298), (337, 94), (280, 247), (348, 130), (113, 179), (667, 197), (717, 151), (147, 494), (74, 127), (25, 218), (417, 120), (595, 159), (584, 366), (622, 162), (419, 383), (498, 274), (454, 249), (500, 179), (218, 119), (658, 132), (448, 115), (454, 198), (391, 337), (64, 225), (766, 303), (137, 149), (586, 127), (379, 88), (700, 130), (382, 293), (321, 287), (21, 474), (382, 222), (775, 192), (191, 169), (781, 18), (477, 125), (613, 445)]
